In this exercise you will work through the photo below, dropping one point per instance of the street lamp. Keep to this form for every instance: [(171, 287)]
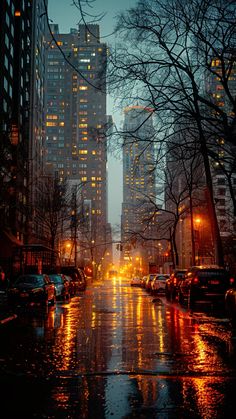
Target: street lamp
[(197, 224)]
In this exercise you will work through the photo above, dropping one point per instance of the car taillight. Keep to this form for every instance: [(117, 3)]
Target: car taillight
[(175, 281), (231, 281), (195, 280)]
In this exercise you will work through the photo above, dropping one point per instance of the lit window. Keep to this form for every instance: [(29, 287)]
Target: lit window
[(51, 124), (83, 87), (84, 138), (61, 124), (83, 151), (94, 152), (52, 117), (83, 125), (84, 179)]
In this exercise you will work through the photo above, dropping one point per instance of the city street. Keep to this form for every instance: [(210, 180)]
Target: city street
[(116, 351)]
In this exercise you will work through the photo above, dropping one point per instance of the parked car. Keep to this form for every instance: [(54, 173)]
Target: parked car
[(135, 281), (204, 283), (150, 278), (72, 287), (143, 281), (230, 303), (77, 275), (32, 288), (172, 283), (158, 285), (62, 286)]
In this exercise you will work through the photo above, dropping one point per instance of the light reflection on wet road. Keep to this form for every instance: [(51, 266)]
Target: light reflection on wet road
[(113, 352)]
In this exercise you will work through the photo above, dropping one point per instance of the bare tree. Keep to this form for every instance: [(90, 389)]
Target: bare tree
[(170, 57), (52, 209)]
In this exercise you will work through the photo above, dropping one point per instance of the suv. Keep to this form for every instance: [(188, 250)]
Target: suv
[(172, 283), (77, 275), (204, 283)]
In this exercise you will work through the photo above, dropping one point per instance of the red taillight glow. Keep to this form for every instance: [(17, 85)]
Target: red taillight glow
[(195, 280), (231, 281)]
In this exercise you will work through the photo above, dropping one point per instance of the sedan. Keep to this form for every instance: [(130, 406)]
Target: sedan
[(78, 276), (136, 281), (204, 283), (172, 284), (158, 285), (30, 289), (62, 286)]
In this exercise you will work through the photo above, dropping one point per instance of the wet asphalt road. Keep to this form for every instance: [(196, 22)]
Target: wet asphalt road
[(116, 352)]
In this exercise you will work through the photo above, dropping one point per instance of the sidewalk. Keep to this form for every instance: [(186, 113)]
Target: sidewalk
[(6, 313)]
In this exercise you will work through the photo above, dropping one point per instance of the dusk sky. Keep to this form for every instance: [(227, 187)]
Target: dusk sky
[(67, 16)]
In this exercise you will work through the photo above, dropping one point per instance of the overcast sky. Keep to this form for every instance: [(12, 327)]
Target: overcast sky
[(67, 16)]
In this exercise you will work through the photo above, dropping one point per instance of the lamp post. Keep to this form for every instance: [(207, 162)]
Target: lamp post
[(197, 224)]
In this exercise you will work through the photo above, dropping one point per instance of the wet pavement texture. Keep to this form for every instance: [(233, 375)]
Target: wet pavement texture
[(114, 351)]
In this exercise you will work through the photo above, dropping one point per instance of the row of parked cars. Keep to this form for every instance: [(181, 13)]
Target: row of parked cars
[(198, 283), (47, 288), (153, 283)]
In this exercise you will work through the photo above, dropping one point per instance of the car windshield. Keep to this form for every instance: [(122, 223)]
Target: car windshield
[(26, 279), (56, 279)]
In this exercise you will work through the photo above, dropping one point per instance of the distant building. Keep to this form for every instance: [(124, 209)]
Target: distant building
[(139, 194), (76, 125)]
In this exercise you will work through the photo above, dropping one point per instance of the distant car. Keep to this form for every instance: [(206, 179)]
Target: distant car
[(78, 276), (32, 288), (158, 285), (204, 283), (62, 286), (135, 281), (230, 303), (172, 283)]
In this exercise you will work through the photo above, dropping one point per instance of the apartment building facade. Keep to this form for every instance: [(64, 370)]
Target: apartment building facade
[(76, 124)]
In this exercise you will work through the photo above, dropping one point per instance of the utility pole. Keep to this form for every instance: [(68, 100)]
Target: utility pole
[(74, 222)]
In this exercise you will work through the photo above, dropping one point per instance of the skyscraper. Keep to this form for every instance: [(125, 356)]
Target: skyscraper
[(139, 195), (76, 124)]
